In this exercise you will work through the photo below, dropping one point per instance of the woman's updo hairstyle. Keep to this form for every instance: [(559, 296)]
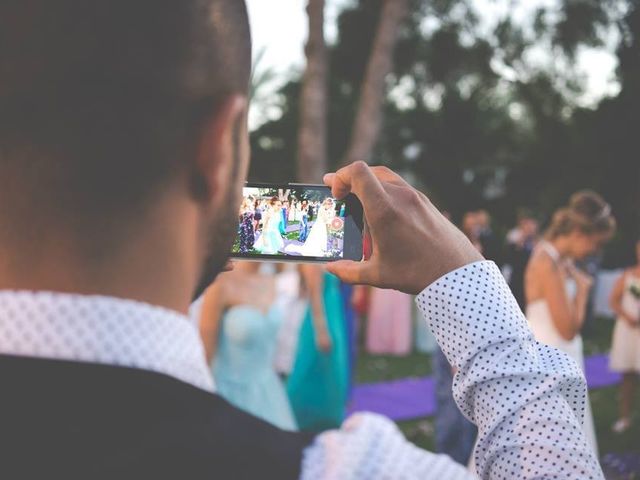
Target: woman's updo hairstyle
[(587, 212)]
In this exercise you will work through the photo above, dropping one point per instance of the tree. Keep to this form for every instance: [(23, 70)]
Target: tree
[(469, 116), (368, 120), (312, 133)]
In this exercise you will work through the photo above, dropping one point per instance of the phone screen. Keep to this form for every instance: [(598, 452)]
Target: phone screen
[(296, 222)]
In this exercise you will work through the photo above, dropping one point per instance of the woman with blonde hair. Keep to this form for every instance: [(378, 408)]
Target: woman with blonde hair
[(556, 290), (240, 318)]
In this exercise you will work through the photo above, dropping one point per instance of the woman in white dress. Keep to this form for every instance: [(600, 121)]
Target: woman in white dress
[(317, 242), (556, 290), (291, 211), (625, 348)]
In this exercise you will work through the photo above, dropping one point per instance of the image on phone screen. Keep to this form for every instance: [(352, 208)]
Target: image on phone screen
[(298, 222)]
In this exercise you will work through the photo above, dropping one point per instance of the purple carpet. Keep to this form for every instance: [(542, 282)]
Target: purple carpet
[(415, 397), (621, 466), (598, 373), (398, 400)]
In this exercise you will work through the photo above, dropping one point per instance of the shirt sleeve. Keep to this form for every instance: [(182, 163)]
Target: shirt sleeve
[(527, 399), (370, 447)]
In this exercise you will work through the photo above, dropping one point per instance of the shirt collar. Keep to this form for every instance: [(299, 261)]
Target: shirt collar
[(102, 330)]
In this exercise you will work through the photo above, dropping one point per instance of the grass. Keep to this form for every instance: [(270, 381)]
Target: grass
[(604, 401)]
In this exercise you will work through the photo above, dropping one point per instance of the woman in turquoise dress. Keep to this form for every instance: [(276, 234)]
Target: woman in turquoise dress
[(239, 324), (318, 384), (270, 241)]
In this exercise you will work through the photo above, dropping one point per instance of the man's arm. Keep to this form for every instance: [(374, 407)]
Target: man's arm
[(526, 399)]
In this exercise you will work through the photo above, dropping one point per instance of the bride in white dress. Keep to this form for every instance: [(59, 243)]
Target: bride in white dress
[(316, 244), (557, 291)]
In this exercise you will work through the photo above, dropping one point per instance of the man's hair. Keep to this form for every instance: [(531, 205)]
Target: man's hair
[(102, 101)]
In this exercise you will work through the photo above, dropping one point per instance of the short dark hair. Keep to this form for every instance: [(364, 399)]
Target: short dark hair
[(102, 100)]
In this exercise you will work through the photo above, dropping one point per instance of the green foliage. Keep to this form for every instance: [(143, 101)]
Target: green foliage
[(473, 120)]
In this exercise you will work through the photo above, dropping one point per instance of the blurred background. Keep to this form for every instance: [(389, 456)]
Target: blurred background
[(482, 103), (499, 110)]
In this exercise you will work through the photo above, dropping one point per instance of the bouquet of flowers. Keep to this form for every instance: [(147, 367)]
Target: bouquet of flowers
[(336, 227)]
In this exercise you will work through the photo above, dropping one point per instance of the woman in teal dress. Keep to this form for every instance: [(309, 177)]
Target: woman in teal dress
[(240, 320), (270, 241), (318, 384)]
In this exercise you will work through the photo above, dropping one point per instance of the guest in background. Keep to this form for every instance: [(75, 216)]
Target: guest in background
[(293, 208), (270, 241), (317, 386), (312, 210), (471, 228), (240, 319), (625, 348), (304, 221), (519, 245), (424, 340), (350, 324), (591, 266), (295, 307), (556, 290), (389, 325), (257, 216), (283, 196), (455, 435), (491, 245), (246, 228)]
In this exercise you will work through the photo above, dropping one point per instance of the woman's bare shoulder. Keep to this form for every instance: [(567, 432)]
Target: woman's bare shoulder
[(541, 262)]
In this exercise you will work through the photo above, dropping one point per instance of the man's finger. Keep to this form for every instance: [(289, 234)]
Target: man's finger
[(383, 174), (387, 175), (357, 178), (355, 273)]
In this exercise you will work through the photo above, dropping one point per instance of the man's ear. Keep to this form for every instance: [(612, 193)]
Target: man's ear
[(216, 152)]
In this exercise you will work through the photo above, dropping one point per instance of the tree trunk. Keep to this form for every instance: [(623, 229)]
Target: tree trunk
[(312, 134), (368, 120)]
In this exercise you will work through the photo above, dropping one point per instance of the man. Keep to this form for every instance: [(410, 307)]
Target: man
[(520, 242), (491, 246), (123, 149)]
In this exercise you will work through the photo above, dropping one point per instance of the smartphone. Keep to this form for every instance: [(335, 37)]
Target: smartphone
[(298, 222)]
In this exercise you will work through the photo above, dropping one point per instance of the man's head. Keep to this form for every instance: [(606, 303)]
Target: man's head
[(107, 108)]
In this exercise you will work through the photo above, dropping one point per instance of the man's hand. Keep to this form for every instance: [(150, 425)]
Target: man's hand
[(582, 278), (413, 244)]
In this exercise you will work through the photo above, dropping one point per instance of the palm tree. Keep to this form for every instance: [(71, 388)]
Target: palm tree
[(368, 120), (312, 133)]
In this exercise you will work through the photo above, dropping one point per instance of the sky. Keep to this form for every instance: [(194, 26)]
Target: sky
[(279, 29)]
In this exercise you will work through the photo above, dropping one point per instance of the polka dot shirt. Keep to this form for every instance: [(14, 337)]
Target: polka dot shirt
[(103, 330), (527, 399)]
